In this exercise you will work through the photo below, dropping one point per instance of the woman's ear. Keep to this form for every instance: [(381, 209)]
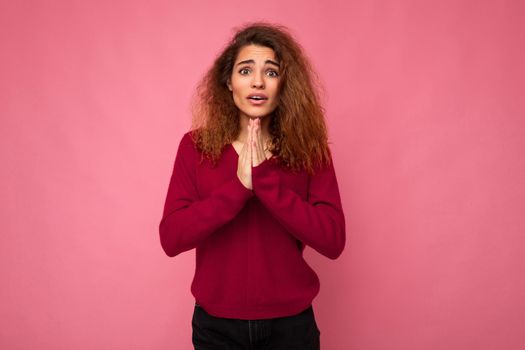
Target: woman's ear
[(229, 84)]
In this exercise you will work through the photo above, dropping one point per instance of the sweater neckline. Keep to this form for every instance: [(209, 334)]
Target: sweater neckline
[(233, 149)]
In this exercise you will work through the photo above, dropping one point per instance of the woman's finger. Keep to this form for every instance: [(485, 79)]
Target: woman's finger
[(258, 147), (244, 167), (262, 146)]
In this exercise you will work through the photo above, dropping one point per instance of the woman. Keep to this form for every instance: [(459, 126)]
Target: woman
[(252, 184)]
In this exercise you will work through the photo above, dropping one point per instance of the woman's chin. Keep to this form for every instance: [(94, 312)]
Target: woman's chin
[(254, 116), (256, 113)]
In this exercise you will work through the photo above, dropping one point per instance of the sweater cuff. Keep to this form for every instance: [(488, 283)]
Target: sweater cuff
[(262, 168), (238, 187), (264, 176)]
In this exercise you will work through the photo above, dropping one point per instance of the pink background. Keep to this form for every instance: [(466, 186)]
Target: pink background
[(425, 110)]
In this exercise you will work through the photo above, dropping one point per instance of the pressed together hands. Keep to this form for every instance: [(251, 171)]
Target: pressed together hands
[(252, 153)]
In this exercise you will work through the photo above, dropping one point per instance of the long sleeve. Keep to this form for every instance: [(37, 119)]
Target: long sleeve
[(187, 219), (318, 222)]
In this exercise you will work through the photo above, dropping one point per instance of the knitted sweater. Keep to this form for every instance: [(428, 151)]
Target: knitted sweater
[(249, 243)]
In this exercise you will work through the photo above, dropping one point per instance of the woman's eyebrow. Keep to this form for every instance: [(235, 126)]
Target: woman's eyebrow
[(253, 62)]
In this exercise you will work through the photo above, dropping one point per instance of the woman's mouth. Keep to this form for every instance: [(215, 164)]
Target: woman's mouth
[(257, 99)]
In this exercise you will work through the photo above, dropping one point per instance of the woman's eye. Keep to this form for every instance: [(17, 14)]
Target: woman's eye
[(244, 71), (272, 73)]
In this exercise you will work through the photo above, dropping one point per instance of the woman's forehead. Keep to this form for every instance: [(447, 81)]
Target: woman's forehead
[(256, 53)]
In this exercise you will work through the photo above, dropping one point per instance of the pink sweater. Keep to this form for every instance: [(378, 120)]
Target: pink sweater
[(249, 243)]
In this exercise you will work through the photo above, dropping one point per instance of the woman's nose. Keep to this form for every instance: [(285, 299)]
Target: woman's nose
[(257, 81)]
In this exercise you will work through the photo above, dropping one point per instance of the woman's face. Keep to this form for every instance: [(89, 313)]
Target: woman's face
[(254, 82)]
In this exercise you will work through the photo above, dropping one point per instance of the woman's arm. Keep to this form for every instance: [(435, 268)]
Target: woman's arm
[(318, 222), (186, 219)]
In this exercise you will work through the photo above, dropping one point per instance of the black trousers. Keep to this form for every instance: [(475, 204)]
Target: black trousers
[(292, 332)]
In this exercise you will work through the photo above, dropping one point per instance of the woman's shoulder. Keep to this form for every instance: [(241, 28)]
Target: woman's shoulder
[(187, 145), (189, 138)]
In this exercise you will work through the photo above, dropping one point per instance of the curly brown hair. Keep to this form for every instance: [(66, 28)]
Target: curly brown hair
[(297, 128)]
